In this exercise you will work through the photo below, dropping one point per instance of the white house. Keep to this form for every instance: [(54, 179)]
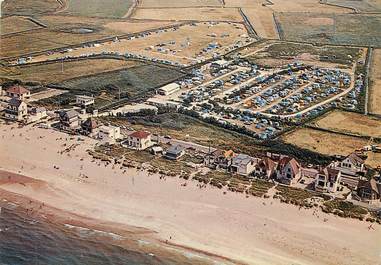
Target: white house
[(109, 133), (138, 140), (328, 180), (84, 101), (37, 113), (243, 164), (16, 110), (168, 89), (351, 167)]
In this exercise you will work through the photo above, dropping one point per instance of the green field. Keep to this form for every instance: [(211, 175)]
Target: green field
[(98, 8), (131, 82), (348, 29), (29, 7), (360, 5), (342, 55), (56, 72)]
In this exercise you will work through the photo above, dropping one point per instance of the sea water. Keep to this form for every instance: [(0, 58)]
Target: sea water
[(28, 241)]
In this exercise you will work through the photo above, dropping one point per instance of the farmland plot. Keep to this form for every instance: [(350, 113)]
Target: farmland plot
[(16, 24), (324, 142), (58, 72), (29, 7), (375, 83), (362, 6), (131, 82), (179, 3), (350, 122), (262, 20), (305, 6), (98, 8), (347, 29), (202, 14), (42, 40)]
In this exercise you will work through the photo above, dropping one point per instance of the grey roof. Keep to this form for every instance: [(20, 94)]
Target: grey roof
[(242, 159), (69, 113), (175, 149), (15, 102)]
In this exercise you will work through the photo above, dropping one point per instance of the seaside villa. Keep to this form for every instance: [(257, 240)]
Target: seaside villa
[(16, 110), (328, 180), (18, 92), (109, 134), (139, 140)]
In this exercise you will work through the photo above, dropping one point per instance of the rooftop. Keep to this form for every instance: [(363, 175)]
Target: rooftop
[(17, 89), (140, 134)]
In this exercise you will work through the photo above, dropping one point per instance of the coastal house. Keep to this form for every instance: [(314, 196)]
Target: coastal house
[(138, 140), (69, 120), (369, 190), (109, 134), (328, 180), (265, 168), (16, 110), (288, 170), (84, 101), (243, 164), (219, 159), (18, 92), (36, 114), (352, 168), (174, 152), (90, 127)]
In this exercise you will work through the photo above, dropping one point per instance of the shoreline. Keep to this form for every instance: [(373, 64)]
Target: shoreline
[(137, 239), (248, 230)]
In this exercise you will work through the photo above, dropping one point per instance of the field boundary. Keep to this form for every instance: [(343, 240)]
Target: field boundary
[(368, 61), (278, 27), (325, 2), (249, 27), (314, 127), (31, 19), (106, 39)]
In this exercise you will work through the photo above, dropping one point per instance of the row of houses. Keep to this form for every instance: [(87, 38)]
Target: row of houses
[(349, 171), (69, 120)]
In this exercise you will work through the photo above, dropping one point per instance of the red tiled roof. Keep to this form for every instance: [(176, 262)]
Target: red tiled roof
[(19, 90), (289, 160), (140, 134)]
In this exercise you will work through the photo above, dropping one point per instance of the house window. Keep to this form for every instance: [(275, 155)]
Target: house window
[(331, 184), (288, 175)]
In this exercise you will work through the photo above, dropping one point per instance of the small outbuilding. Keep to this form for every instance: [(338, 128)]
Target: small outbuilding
[(174, 152)]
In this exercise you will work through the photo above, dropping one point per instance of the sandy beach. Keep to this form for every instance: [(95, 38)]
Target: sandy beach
[(248, 230)]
